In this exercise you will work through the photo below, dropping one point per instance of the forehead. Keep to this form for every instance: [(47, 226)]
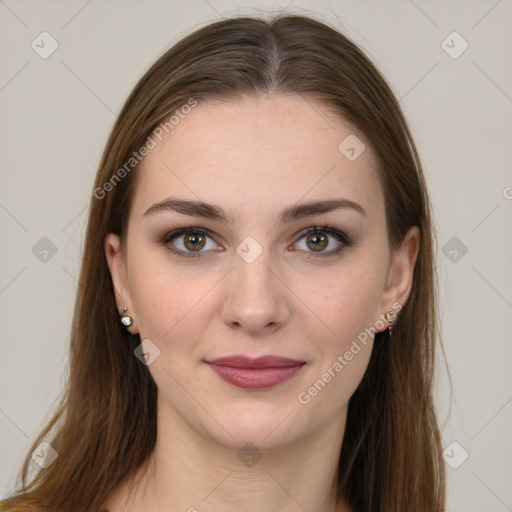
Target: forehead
[(257, 155)]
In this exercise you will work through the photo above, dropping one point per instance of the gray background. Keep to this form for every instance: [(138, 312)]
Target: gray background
[(56, 116)]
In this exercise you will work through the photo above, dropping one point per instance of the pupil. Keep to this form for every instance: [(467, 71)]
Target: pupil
[(196, 241), (319, 241)]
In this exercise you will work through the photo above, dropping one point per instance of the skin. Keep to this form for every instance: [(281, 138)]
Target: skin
[(253, 158)]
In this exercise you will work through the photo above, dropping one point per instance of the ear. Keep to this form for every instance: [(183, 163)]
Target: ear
[(116, 262), (400, 274)]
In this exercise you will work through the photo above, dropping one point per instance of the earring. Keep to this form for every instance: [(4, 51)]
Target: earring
[(126, 320), (390, 316)]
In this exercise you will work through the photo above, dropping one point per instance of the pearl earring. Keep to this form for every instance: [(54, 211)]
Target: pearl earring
[(126, 320), (390, 316)]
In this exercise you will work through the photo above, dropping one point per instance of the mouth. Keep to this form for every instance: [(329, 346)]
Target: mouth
[(261, 373)]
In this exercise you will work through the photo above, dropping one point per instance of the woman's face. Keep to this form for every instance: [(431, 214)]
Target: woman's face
[(252, 280)]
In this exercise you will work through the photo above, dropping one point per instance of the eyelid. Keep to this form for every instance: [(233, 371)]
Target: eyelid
[(174, 233), (342, 238), (178, 232), (330, 230)]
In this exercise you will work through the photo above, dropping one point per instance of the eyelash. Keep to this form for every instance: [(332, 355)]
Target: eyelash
[(340, 236)]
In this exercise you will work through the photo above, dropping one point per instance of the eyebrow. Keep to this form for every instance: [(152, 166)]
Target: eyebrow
[(214, 212)]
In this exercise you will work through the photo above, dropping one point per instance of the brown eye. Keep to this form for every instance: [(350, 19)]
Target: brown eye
[(317, 241), (189, 242), (194, 241)]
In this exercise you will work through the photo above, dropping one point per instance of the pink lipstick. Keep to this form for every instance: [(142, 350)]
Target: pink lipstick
[(261, 373)]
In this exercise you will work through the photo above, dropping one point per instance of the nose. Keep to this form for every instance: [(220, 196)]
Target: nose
[(257, 298)]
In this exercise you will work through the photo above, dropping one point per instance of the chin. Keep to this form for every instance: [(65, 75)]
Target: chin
[(265, 429)]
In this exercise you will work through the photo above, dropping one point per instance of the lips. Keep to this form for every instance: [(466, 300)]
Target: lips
[(260, 362), (260, 373)]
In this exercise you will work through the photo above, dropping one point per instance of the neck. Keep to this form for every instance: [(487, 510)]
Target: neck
[(191, 472)]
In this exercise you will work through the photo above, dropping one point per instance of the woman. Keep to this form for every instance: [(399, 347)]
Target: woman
[(255, 322)]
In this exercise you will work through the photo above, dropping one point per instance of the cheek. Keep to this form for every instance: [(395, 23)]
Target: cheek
[(168, 300), (344, 340), (345, 301)]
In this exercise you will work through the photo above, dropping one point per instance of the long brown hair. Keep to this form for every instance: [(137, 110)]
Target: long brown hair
[(104, 427)]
